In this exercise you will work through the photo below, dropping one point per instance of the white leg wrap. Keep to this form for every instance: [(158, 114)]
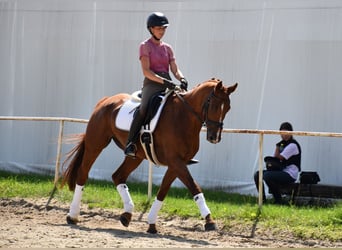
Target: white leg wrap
[(152, 216), (75, 205), (200, 201), (126, 197)]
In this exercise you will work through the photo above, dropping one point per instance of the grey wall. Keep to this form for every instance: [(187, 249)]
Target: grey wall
[(58, 58)]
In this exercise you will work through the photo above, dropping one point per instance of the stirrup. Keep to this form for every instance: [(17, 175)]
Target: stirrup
[(131, 150)]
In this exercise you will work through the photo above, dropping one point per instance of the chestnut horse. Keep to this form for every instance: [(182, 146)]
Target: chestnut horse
[(176, 141)]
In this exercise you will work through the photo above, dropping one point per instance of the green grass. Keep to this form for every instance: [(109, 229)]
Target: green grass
[(236, 212)]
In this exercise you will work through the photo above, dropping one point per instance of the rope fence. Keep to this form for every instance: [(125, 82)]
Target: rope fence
[(261, 134)]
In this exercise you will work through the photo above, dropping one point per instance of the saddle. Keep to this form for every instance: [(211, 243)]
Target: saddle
[(153, 106), (129, 109)]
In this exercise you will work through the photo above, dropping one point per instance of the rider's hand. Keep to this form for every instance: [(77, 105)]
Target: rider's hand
[(184, 84), (169, 84)]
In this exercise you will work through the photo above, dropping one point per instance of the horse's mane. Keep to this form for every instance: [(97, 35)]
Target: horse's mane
[(213, 80), (209, 83)]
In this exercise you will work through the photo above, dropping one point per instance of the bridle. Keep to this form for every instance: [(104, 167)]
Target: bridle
[(205, 111), (207, 121)]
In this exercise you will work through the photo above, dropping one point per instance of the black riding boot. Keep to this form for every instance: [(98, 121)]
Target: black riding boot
[(131, 148)]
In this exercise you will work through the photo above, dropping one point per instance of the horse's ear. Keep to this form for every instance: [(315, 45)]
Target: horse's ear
[(232, 88), (219, 85)]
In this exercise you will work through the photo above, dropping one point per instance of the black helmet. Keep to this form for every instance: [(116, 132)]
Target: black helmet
[(157, 19), (286, 126)]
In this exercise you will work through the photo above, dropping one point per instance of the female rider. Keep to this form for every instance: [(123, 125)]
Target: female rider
[(156, 59)]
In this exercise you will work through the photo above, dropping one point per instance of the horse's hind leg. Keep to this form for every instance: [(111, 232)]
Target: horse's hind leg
[(75, 206), (92, 151), (119, 178)]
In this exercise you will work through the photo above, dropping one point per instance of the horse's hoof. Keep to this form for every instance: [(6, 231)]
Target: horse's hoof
[(71, 221), (211, 226), (152, 229), (125, 218)]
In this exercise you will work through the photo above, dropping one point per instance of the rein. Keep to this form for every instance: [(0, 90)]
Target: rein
[(190, 108), (205, 107)]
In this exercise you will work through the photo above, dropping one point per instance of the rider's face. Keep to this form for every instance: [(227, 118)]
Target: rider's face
[(158, 31)]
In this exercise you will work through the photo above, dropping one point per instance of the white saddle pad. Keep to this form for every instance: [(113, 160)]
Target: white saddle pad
[(125, 116)]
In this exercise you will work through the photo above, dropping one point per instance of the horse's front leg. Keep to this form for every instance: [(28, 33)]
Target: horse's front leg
[(119, 178), (169, 177), (205, 212), (185, 176)]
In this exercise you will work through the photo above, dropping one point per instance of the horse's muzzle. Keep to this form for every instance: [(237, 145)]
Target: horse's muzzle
[(214, 136), (214, 141), (214, 130)]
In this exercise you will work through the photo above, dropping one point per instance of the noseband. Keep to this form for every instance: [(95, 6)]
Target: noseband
[(205, 111)]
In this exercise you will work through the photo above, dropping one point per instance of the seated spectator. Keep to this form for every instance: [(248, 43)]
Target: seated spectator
[(288, 155)]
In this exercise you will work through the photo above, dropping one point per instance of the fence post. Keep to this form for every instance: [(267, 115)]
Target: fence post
[(58, 159), (59, 149), (261, 141)]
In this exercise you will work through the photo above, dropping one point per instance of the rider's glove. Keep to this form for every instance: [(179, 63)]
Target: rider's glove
[(184, 84), (169, 84)]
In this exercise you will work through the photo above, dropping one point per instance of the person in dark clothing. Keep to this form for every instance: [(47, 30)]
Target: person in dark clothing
[(157, 59), (288, 151)]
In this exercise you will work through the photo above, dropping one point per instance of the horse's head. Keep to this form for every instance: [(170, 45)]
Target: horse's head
[(215, 109)]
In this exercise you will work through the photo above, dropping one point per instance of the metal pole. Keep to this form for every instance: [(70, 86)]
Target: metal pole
[(261, 141), (58, 158), (59, 149)]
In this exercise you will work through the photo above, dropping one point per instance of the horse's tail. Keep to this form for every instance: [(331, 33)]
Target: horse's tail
[(76, 156)]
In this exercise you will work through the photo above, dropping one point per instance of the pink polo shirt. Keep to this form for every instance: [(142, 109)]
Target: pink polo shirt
[(160, 55)]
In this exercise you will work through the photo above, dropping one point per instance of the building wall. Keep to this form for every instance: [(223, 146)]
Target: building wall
[(58, 58)]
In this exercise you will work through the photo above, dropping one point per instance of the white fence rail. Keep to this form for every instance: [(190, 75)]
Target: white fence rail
[(261, 133), (61, 121), (274, 132)]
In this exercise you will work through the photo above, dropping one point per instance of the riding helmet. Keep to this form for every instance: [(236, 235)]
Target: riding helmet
[(157, 19)]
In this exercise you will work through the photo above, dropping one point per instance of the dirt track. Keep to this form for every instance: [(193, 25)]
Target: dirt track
[(27, 223)]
